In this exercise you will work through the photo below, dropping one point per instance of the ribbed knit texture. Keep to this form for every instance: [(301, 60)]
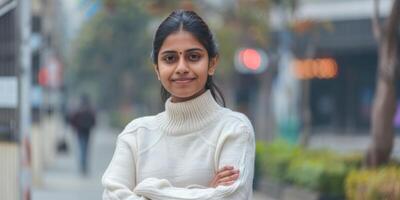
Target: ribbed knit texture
[(183, 117)]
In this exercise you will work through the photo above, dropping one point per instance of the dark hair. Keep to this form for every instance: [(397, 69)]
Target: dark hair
[(190, 22)]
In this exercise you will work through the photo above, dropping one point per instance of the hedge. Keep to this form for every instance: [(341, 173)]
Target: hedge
[(374, 184)]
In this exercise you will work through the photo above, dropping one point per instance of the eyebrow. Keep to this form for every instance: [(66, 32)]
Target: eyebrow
[(189, 50)]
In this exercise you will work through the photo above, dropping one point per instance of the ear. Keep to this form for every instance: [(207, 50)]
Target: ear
[(156, 70), (213, 65)]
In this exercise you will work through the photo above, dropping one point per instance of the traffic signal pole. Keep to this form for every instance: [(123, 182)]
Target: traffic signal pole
[(24, 85)]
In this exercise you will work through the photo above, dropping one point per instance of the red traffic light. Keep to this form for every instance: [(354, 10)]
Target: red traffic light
[(249, 60)]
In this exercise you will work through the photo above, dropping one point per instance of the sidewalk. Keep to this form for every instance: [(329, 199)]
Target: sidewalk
[(63, 181), (348, 143)]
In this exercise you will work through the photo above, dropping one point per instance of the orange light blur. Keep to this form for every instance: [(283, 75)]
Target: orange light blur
[(321, 68)]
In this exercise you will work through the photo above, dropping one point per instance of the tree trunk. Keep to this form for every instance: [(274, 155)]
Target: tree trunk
[(382, 130), (384, 105)]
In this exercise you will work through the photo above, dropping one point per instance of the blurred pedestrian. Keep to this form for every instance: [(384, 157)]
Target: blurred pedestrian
[(83, 119), (196, 148)]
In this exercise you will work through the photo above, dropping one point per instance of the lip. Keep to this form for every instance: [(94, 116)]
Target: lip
[(183, 80)]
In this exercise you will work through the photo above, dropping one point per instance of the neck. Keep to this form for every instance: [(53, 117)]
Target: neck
[(189, 116), (175, 99)]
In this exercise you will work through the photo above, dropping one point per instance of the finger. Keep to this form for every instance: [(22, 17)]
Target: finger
[(233, 177), (227, 173), (226, 183), (227, 167)]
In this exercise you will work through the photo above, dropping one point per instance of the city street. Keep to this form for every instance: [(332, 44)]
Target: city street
[(63, 181), (315, 79)]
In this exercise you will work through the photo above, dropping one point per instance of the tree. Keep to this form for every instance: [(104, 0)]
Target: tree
[(111, 57), (384, 104)]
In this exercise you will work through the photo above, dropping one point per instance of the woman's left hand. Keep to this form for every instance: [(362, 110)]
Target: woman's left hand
[(225, 176)]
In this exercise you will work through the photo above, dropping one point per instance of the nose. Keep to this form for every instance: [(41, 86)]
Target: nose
[(182, 66)]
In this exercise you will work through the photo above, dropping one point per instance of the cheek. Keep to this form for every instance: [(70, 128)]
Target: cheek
[(164, 73), (200, 67), (202, 71)]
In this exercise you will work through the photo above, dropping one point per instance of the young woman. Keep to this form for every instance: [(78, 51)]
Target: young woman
[(195, 149)]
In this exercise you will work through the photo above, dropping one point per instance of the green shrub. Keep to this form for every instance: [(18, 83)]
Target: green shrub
[(353, 160), (277, 157), (383, 183), (259, 160), (321, 171)]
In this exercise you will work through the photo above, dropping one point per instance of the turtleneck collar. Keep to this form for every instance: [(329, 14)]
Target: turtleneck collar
[(189, 116)]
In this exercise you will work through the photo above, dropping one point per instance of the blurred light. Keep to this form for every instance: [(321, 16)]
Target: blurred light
[(249, 60), (321, 68), (50, 74)]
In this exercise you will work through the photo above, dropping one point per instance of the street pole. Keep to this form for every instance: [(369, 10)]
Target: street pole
[(24, 74)]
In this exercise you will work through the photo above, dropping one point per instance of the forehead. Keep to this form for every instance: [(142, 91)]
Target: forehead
[(180, 41)]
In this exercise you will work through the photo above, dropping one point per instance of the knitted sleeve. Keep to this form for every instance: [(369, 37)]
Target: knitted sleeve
[(119, 178), (236, 148)]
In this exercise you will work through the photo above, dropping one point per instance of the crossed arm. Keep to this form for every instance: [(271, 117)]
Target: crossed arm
[(232, 181)]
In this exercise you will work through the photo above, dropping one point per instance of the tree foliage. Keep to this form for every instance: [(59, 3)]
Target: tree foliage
[(111, 54)]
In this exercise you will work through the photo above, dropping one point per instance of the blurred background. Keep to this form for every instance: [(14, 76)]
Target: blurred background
[(318, 79)]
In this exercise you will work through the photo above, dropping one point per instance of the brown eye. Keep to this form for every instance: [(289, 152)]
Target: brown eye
[(194, 57), (169, 58)]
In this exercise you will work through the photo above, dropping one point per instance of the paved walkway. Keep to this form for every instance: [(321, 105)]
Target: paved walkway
[(63, 182), (348, 143)]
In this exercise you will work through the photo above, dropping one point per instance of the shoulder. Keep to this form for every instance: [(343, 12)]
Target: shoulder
[(234, 126), (236, 120), (146, 123), (235, 130)]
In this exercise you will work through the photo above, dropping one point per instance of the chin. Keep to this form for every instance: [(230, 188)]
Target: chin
[(185, 94)]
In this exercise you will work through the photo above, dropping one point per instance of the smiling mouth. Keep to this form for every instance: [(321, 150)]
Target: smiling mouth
[(183, 80)]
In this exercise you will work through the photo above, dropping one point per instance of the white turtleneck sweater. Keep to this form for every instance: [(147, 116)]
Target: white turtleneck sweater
[(174, 155)]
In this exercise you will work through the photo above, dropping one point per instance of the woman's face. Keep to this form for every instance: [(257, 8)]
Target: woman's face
[(183, 66)]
